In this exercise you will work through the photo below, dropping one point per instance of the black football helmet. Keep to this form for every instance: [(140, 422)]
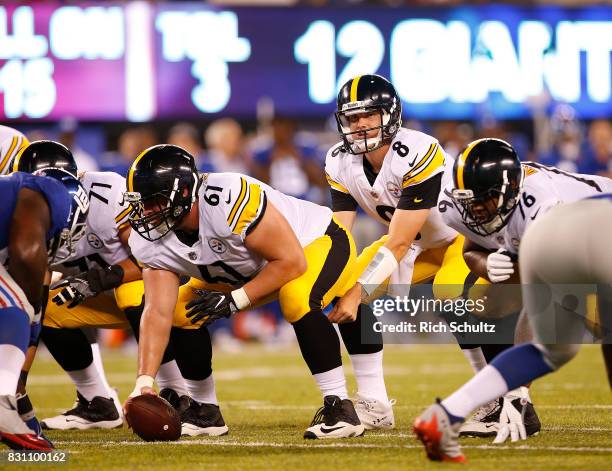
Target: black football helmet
[(363, 94), (44, 154), (162, 185), (64, 244), (488, 178)]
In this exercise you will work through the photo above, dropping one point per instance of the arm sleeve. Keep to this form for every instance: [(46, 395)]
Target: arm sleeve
[(342, 201), (422, 195)]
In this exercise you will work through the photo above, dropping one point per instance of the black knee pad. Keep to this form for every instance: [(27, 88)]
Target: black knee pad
[(69, 347), (193, 352), (352, 333)]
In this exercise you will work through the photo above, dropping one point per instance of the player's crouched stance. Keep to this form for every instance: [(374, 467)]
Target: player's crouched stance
[(252, 243), (38, 216), (558, 257)]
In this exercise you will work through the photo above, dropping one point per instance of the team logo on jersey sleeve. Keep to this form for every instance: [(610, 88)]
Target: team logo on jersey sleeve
[(394, 189), (216, 245), (94, 241)]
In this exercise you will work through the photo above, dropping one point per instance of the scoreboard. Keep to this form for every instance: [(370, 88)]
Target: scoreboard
[(140, 61)]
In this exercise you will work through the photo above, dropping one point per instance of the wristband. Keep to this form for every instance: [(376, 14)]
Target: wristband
[(241, 299), (380, 268), (144, 381)]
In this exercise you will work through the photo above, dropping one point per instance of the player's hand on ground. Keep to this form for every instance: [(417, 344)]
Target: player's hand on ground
[(499, 266), (210, 306), (511, 424), (345, 310)]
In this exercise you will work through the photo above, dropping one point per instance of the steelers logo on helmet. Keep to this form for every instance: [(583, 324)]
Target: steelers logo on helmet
[(64, 244), (488, 178), (369, 113), (162, 185), (39, 155)]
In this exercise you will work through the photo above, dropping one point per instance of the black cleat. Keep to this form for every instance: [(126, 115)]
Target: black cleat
[(336, 419), (201, 419), (100, 412)]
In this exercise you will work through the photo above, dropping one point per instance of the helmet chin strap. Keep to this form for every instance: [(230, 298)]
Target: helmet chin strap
[(361, 146)]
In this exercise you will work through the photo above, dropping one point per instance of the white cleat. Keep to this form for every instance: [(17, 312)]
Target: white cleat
[(99, 413), (484, 422), (375, 414), (336, 419)]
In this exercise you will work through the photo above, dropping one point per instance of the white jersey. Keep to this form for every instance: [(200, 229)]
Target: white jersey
[(544, 187), (230, 206), (100, 246), (11, 143), (413, 158)]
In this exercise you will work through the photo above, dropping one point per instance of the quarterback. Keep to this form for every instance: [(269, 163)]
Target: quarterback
[(395, 174), (250, 244)]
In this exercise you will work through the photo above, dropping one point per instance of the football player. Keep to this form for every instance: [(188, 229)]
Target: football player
[(395, 175), (11, 143), (40, 216), (561, 251), (102, 262), (254, 243), (492, 198)]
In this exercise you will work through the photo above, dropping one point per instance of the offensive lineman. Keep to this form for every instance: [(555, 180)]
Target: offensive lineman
[(560, 253), (492, 199), (235, 232), (102, 261), (40, 215)]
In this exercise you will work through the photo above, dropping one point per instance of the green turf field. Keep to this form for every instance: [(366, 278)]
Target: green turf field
[(267, 399)]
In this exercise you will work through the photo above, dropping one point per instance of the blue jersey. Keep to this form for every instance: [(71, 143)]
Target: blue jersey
[(55, 193)]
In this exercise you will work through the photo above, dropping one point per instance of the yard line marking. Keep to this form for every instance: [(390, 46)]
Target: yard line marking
[(257, 444)]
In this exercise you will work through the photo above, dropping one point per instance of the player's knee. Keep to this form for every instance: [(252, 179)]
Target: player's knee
[(557, 355)]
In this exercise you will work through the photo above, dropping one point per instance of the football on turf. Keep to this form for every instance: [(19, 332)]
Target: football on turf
[(153, 418)]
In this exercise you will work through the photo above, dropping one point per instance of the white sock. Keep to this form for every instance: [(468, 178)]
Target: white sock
[(97, 360), (169, 376), (368, 368), (332, 383), (475, 357), (88, 382), (11, 361), (487, 385), (202, 390)]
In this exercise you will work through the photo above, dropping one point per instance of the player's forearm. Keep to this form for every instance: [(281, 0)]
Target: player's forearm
[(154, 335), (476, 260), (131, 271), (27, 266), (273, 277)]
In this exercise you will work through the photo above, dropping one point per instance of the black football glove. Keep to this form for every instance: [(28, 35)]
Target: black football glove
[(77, 288), (210, 306)]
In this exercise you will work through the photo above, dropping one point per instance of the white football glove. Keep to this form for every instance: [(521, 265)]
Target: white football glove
[(511, 420), (499, 266)]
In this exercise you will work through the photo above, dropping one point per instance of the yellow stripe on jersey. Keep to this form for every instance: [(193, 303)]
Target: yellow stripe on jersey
[(6, 158), (251, 209), (435, 162), (232, 214), (529, 170), (122, 215), (421, 163), (461, 164), (354, 85), (335, 185)]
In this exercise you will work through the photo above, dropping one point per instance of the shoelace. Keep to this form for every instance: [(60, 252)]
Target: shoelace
[(319, 416), (487, 409)]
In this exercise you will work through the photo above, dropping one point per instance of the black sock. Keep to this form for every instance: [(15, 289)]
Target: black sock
[(70, 347), (353, 333), (193, 352), (133, 315), (318, 342)]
